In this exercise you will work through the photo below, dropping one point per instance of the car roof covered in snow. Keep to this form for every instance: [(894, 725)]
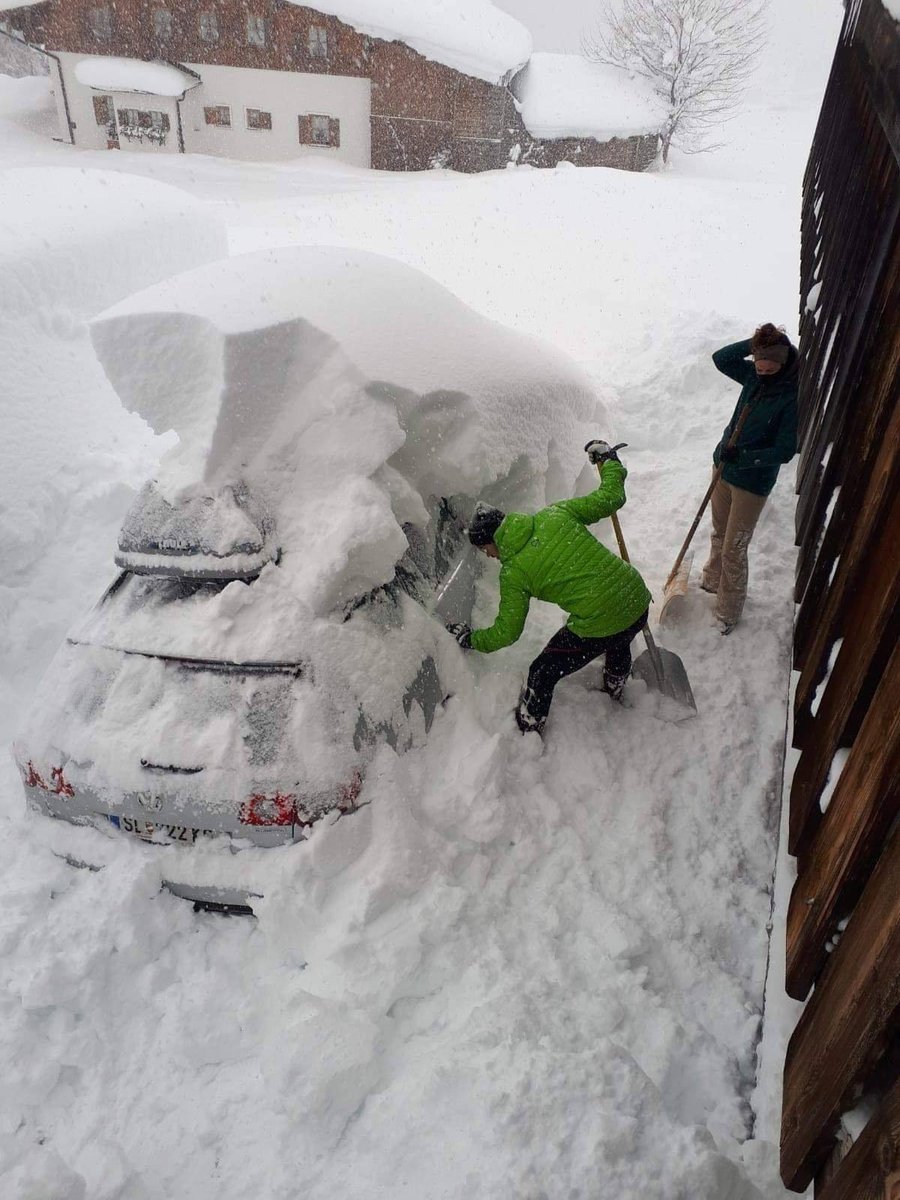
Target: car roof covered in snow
[(348, 388), (565, 95), (472, 36)]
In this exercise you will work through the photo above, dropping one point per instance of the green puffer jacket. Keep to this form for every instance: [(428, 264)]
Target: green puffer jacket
[(769, 436), (553, 557)]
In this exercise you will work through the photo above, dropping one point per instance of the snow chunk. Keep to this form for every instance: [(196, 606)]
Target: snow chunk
[(346, 389), (111, 74), (472, 36), (812, 298), (565, 95)]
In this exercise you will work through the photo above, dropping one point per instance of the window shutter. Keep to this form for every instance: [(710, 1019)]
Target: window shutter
[(102, 113), (305, 125), (334, 131)]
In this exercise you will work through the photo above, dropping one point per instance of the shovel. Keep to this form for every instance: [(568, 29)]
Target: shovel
[(661, 669), (676, 586)]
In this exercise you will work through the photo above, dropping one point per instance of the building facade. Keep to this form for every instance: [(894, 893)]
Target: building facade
[(272, 80)]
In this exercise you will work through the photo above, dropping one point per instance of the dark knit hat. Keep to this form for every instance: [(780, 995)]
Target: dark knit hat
[(486, 520)]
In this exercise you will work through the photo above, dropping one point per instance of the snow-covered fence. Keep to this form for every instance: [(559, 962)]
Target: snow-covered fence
[(841, 1120)]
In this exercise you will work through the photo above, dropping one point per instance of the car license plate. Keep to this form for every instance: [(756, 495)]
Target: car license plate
[(159, 831)]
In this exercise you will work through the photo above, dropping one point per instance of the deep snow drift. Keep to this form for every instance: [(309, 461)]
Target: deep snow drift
[(507, 975)]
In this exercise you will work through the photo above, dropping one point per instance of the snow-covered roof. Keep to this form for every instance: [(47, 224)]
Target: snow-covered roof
[(9, 5), (133, 75), (565, 95), (472, 36)]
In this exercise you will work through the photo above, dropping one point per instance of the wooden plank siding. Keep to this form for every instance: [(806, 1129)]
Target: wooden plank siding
[(846, 1026), (847, 1042), (865, 805), (871, 1169)]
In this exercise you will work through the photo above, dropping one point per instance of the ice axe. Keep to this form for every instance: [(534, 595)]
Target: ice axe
[(676, 586), (661, 669)]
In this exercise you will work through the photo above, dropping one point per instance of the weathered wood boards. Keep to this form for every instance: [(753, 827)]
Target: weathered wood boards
[(863, 808), (847, 634), (854, 1010), (871, 1171)]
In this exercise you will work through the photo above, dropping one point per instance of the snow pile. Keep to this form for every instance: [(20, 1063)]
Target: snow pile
[(133, 75), (351, 393), (565, 95), (71, 243), (348, 389), (472, 36)]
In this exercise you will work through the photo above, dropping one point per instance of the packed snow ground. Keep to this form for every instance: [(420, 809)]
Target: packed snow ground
[(512, 974)]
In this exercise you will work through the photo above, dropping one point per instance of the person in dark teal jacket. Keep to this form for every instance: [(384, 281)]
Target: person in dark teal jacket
[(552, 556), (768, 438)]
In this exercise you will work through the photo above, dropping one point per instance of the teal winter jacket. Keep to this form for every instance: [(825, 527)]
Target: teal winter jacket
[(553, 556), (769, 436)]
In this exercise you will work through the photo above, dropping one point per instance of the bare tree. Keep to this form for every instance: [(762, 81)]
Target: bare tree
[(698, 54)]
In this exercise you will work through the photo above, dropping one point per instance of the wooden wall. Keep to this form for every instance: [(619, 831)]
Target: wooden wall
[(843, 930)]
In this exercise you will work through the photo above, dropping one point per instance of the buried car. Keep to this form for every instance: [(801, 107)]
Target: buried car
[(285, 579), (170, 748)]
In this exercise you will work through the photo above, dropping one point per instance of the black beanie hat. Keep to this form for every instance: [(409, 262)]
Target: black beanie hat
[(485, 522)]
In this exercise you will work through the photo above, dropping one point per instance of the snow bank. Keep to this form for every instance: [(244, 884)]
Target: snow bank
[(71, 243), (133, 75), (472, 36), (348, 388), (565, 95), (84, 239)]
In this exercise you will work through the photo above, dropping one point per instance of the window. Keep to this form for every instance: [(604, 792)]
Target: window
[(321, 130), (102, 110), (318, 41), (209, 27), (257, 119), (218, 114), (256, 30), (137, 124), (316, 129), (162, 24), (100, 21), (137, 118)]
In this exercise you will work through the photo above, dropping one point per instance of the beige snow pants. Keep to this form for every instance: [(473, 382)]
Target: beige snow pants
[(734, 516)]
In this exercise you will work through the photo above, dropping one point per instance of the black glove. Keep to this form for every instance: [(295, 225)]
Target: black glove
[(728, 454), (600, 452), (462, 633)]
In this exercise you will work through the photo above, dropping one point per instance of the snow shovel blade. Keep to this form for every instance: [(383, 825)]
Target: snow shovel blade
[(675, 591), (663, 671)]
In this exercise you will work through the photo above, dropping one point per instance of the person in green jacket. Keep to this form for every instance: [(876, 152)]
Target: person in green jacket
[(768, 438), (552, 556)]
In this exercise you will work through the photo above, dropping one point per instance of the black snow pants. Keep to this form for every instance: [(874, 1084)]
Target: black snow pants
[(566, 653)]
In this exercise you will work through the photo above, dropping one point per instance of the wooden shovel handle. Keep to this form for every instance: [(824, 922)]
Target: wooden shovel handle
[(619, 538), (717, 475)]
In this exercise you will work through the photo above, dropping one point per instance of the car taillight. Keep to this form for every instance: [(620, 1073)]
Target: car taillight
[(348, 793), (58, 784), (278, 809)]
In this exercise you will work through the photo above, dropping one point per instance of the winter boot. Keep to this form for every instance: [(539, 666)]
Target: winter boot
[(524, 719), (614, 686)]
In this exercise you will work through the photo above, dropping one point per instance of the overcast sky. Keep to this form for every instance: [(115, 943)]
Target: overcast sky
[(554, 24)]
